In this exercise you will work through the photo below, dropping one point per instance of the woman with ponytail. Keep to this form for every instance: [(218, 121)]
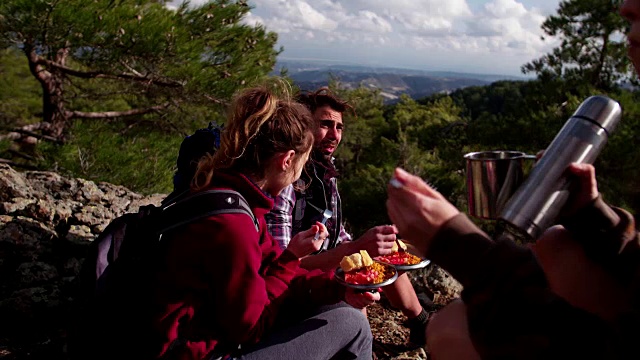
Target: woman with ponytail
[(224, 289)]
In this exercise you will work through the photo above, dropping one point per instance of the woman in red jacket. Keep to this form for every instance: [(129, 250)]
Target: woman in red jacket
[(226, 290)]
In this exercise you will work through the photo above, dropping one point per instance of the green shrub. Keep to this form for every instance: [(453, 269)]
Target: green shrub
[(140, 159)]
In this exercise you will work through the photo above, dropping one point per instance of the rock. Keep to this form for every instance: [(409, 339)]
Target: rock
[(46, 223), (436, 284), (443, 285), (50, 183), (15, 205), (88, 191), (80, 234), (25, 304), (12, 184), (35, 273), (23, 239)]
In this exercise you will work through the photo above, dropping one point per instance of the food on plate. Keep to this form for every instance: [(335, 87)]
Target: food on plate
[(360, 269), (397, 257), (397, 243), (400, 258), (356, 261)]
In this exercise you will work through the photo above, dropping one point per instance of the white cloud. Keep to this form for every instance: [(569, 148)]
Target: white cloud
[(368, 21), (253, 20), (380, 30), (506, 26), (505, 9), (302, 13)]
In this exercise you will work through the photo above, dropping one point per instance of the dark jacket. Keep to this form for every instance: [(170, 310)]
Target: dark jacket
[(512, 312), (317, 190)]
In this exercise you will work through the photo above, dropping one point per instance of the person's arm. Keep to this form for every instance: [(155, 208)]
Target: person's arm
[(513, 313), (376, 241), (279, 219), (246, 290), (608, 234), (329, 260), (314, 288), (511, 310)]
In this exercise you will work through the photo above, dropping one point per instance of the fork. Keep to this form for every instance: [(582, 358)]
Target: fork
[(326, 214)]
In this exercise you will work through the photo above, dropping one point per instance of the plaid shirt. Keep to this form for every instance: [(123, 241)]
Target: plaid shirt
[(279, 219), (295, 211)]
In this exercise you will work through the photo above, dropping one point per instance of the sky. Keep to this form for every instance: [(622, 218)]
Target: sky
[(474, 36)]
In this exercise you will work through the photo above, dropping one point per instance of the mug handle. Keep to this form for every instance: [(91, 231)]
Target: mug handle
[(527, 169), (503, 197)]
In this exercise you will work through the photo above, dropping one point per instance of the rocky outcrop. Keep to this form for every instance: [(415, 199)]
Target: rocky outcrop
[(46, 223)]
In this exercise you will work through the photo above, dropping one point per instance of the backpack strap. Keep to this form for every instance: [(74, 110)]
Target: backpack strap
[(201, 205)]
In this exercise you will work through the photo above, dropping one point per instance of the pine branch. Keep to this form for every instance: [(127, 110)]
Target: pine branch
[(215, 100), (115, 114), (15, 164), (101, 75), (16, 133), (22, 155), (38, 136)]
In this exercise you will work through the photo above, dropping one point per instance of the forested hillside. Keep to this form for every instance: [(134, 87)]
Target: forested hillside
[(391, 82), (90, 96)]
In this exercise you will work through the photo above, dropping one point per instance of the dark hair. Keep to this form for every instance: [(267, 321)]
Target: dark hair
[(323, 97), (260, 125)]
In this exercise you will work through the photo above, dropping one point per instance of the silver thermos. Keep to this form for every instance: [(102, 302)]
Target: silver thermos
[(535, 206)]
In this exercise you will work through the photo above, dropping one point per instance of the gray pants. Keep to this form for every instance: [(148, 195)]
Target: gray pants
[(333, 332)]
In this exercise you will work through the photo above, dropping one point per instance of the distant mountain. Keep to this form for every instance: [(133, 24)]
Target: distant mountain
[(392, 82)]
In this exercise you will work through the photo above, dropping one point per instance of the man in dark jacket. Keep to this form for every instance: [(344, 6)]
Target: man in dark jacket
[(317, 191)]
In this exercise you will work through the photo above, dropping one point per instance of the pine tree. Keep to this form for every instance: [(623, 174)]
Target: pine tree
[(136, 56), (592, 48)]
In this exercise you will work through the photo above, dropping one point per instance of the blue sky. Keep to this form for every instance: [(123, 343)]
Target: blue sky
[(480, 36)]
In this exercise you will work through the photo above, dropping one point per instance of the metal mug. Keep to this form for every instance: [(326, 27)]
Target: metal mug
[(492, 178)]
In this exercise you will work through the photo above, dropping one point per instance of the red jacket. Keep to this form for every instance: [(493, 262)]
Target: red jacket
[(222, 282)]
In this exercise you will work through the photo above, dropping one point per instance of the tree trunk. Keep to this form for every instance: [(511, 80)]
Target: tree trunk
[(54, 109), (597, 74), (357, 152), (51, 81)]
